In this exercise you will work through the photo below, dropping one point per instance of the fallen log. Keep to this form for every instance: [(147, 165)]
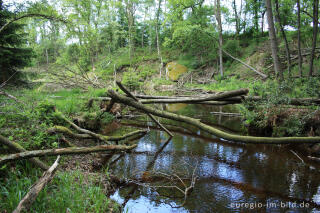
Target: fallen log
[(31, 196), (188, 101), (64, 151), (212, 130), (246, 65), (67, 131), (173, 99), (18, 148), (215, 97), (150, 116), (88, 133)]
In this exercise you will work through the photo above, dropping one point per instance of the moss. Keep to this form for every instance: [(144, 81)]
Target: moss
[(175, 70)]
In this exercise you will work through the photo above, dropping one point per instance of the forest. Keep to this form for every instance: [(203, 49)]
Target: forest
[(159, 106)]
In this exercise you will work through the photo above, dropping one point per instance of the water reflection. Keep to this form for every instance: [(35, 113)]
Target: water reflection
[(228, 174)]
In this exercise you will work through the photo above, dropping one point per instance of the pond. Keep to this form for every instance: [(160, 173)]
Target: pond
[(230, 177)]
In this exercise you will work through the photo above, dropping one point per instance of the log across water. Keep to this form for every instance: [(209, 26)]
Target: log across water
[(231, 137)]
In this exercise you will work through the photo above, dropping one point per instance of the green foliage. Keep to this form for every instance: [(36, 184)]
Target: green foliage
[(13, 53), (192, 39), (132, 80), (68, 192)]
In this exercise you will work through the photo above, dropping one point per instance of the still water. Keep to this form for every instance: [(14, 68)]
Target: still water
[(230, 177)]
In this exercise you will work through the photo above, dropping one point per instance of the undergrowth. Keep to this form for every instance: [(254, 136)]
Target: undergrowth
[(68, 192)]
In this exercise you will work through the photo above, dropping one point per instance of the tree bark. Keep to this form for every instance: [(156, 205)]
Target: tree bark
[(283, 33), (18, 148), (315, 33), (273, 41), (218, 17), (64, 151), (31, 196), (210, 129)]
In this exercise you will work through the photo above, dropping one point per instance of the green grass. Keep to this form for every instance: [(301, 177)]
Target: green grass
[(68, 192)]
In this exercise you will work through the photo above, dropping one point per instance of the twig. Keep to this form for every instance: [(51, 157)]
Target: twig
[(297, 155)]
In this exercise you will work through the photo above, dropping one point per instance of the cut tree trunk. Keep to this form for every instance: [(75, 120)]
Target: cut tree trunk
[(210, 129), (31, 196), (64, 151), (18, 148)]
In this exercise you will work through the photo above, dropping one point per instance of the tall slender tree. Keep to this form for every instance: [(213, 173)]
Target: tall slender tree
[(299, 38), (218, 17), (273, 42), (315, 33), (283, 33)]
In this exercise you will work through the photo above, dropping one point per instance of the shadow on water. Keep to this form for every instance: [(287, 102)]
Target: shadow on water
[(231, 177)]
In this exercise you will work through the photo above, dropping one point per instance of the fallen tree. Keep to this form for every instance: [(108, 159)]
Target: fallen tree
[(18, 148), (88, 133), (31, 196), (195, 122), (67, 131), (149, 99), (64, 151), (150, 116), (175, 100)]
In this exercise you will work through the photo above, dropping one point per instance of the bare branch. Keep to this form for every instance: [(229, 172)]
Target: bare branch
[(31, 196)]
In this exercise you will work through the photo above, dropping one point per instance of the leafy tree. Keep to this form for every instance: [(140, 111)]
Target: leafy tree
[(13, 53)]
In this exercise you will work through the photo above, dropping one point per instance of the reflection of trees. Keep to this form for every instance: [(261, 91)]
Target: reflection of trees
[(265, 172)]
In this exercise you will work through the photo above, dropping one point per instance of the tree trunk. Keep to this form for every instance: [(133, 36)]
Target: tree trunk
[(64, 151), (236, 17), (273, 41), (299, 38), (157, 37), (262, 22), (218, 17), (315, 33), (210, 129), (284, 37), (31, 196)]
